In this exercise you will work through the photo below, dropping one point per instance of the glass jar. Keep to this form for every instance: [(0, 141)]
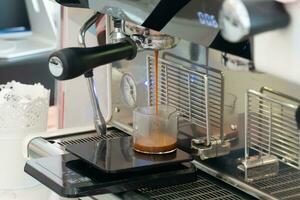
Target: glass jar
[(155, 130)]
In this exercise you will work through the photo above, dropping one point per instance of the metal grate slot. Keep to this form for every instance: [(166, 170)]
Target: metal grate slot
[(194, 92), (271, 128), (203, 188), (109, 135)]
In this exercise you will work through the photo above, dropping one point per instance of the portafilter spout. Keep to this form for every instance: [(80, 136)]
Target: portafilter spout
[(70, 63)]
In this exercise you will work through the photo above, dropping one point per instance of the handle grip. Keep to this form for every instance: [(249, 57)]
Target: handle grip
[(266, 15), (70, 63), (240, 19), (297, 116)]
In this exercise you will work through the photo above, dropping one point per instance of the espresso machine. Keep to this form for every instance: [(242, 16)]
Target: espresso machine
[(238, 116)]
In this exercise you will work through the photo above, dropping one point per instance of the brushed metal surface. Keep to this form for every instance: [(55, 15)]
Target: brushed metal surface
[(200, 30)]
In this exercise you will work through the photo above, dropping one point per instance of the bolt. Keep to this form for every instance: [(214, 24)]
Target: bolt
[(233, 127), (117, 109)]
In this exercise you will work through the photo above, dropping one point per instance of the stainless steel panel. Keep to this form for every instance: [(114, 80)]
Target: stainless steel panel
[(200, 17)]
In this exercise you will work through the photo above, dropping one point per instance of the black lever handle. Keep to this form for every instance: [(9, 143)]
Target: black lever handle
[(240, 19), (297, 116), (72, 62)]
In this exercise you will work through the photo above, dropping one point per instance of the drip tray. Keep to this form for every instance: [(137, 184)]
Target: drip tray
[(72, 177), (117, 155)]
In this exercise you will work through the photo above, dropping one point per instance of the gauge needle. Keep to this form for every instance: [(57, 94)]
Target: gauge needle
[(131, 90)]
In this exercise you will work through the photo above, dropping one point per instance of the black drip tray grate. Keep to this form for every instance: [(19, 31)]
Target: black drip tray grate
[(285, 185), (206, 187)]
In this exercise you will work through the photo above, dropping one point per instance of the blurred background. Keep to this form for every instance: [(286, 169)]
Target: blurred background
[(29, 33)]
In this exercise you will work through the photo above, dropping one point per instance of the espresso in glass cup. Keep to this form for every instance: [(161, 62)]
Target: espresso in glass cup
[(155, 129)]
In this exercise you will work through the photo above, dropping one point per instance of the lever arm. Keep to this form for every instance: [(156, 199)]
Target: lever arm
[(241, 19), (70, 63)]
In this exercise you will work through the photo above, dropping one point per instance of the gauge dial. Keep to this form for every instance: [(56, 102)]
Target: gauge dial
[(128, 89)]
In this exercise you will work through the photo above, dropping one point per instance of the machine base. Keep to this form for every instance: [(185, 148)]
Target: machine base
[(71, 177)]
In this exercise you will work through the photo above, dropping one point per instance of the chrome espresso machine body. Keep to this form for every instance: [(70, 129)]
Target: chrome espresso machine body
[(238, 129)]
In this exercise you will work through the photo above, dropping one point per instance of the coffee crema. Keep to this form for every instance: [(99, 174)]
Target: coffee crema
[(155, 143)]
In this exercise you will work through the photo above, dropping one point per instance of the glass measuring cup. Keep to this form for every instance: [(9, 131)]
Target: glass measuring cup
[(155, 132)]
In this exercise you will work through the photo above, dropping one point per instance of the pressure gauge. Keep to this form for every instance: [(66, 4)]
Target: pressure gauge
[(128, 90)]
